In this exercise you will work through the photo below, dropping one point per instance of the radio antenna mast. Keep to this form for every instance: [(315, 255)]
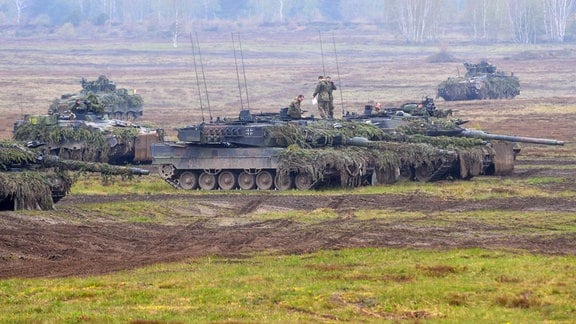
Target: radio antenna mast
[(322, 53), (338, 72), (203, 77), (234, 36), (197, 77)]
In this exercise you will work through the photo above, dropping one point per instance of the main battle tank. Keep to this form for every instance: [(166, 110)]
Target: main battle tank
[(482, 81), (103, 97), (30, 180), (87, 136), (479, 152), (278, 153)]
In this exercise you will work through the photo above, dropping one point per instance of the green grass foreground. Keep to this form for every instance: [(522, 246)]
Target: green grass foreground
[(479, 188), (347, 285), (350, 285)]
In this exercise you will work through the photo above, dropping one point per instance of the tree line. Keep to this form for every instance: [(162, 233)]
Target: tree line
[(414, 21)]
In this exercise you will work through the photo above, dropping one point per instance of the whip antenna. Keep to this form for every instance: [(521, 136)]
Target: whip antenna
[(338, 72), (237, 72), (203, 77), (322, 53), (243, 71), (197, 78)]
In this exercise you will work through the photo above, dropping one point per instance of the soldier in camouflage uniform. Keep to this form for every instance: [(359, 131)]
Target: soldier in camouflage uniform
[(323, 96), (294, 110), (330, 87)]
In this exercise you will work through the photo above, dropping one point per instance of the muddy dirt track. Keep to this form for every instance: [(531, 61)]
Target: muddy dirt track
[(44, 246)]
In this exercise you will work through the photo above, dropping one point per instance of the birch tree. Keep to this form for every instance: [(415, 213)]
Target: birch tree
[(557, 13), (417, 20), (484, 19), (523, 19), (375, 11), (20, 6)]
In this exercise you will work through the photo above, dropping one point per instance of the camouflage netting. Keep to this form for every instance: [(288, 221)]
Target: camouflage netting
[(82, 143), (502, 87), (100, 96), (472, 160), (29, 180), (470, 151), (348, 162), (482, 81), (314, 150), (11, 154), (25, 184)]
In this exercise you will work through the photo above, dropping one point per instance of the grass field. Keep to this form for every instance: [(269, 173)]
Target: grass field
[(356, 285)]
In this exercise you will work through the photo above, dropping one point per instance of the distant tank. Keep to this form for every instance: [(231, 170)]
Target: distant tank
[(275, 152), (30, 180), (482, 81), (103, 97), (83, 135)]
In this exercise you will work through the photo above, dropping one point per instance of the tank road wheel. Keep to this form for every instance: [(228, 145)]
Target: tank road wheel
[(424, 172), (264, 180), (406, 173), (246, 181), (167, 171), (283, 181), (227, 180), (188, 180), (207, 181), (303, 181)]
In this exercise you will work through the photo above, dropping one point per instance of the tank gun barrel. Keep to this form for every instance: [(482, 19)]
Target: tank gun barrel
[(358, 141), (483, 135), (73, 165)]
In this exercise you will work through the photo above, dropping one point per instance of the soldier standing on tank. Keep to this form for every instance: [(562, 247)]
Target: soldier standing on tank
[(322, 96), (330, 88), (294, 109), (428, 103)]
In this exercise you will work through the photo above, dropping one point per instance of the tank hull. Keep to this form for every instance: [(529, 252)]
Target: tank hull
[(187, 166), (215, 158)]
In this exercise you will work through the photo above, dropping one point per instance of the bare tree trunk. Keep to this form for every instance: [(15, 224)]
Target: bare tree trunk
[(281, 11), (20, 6), (416, 19), (557, 13), (81, 6), (176, 32), (523, 20)]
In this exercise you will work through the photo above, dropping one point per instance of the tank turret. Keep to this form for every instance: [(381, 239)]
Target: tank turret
[(30, 180), (101, 96), (89, 137), (482, 81)]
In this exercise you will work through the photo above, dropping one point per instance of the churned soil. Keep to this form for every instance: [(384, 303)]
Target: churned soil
[(84, 244)]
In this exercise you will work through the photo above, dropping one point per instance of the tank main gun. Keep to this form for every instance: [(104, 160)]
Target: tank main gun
[(472, 133), (52, 161), (453, 128)]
